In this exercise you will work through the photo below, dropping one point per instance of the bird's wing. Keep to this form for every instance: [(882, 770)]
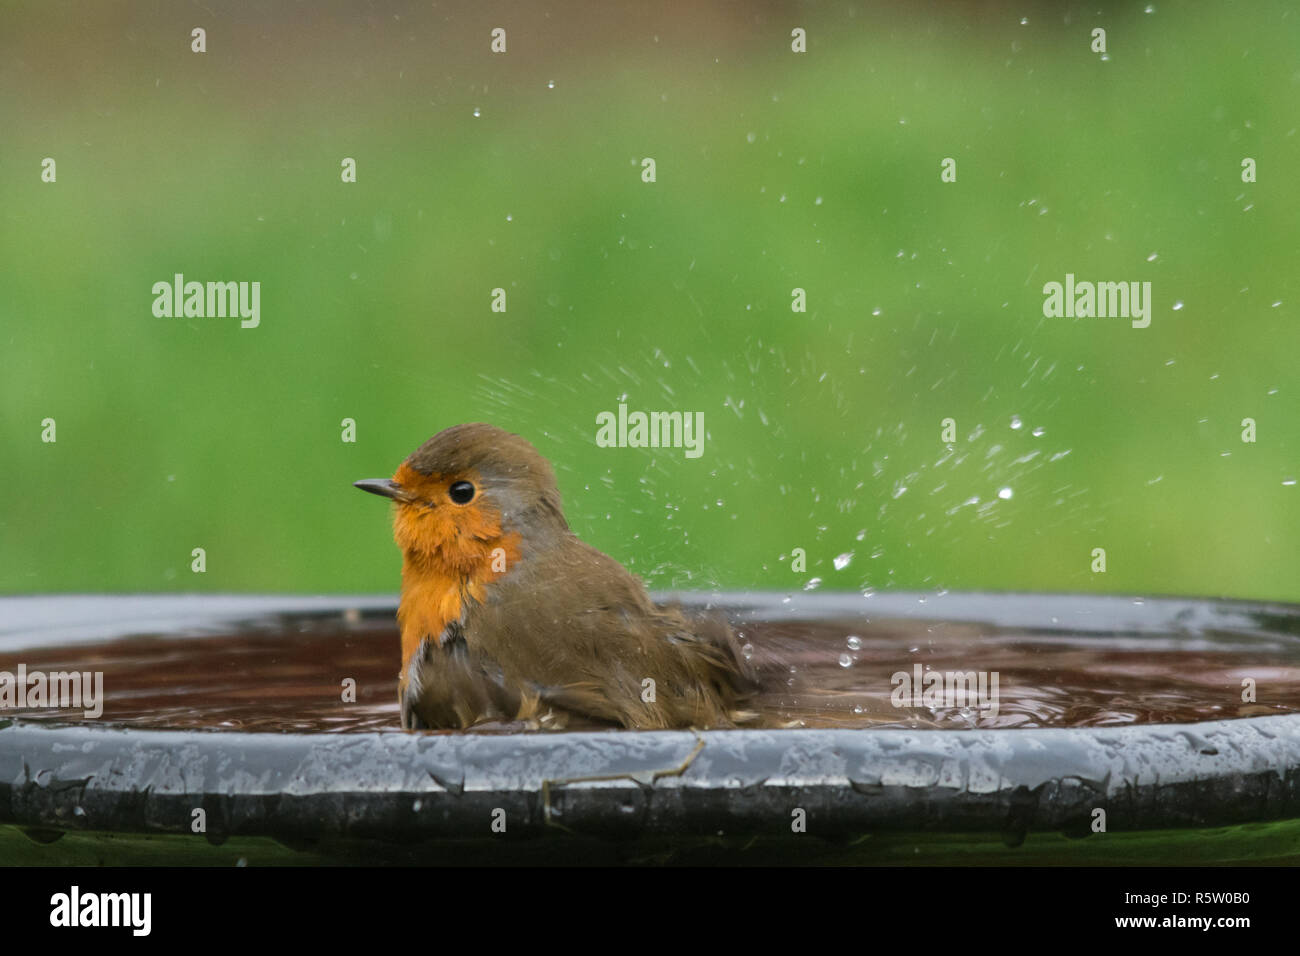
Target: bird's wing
[(583, 631)]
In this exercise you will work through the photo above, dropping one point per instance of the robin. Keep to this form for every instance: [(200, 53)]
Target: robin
[(506, 614)]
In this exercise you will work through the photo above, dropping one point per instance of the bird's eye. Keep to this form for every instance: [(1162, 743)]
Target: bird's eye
[(461, 492)]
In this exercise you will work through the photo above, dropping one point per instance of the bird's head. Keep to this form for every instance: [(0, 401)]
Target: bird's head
[(468, 491)]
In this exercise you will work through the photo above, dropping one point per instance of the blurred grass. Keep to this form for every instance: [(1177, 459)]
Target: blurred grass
[(774, 171)]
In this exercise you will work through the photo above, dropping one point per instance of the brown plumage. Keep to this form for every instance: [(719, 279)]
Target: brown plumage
[(508, 615)]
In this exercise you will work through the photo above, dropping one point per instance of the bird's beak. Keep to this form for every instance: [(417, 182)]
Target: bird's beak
[(382, 486)]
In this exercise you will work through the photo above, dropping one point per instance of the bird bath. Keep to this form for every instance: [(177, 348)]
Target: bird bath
[(1109, 730)]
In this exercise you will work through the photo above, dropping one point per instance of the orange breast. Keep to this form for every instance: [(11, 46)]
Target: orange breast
[(429, 604), (450, 553)]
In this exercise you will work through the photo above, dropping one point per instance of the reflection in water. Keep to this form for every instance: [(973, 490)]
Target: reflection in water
[(287, 673)]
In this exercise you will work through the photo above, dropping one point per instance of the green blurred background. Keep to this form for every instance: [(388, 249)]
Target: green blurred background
[(775, 170)]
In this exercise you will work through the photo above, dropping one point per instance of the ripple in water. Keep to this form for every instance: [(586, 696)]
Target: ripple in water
[(285, 674)]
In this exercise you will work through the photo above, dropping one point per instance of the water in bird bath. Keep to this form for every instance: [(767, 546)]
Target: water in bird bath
[(824, 661)]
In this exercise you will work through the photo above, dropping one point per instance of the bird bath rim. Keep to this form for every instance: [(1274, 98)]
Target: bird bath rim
[(397, 788)]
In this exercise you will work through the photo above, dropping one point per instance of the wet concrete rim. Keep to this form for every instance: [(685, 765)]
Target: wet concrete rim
[(29, 620), (396, 785)]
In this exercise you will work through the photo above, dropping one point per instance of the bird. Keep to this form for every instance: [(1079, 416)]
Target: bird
[(506, 615)]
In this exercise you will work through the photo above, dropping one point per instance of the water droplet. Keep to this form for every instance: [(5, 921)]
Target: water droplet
[(1289, 482), (817, 201), (747, 651), (1016, 423), (751, 137), (842, 560), (854, 642), (813, 584), (1039, 432), (846, 660), (1153, 257), (1005, 493), (476, 112), (550, 84), (1024, 21), (1178, 306)]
